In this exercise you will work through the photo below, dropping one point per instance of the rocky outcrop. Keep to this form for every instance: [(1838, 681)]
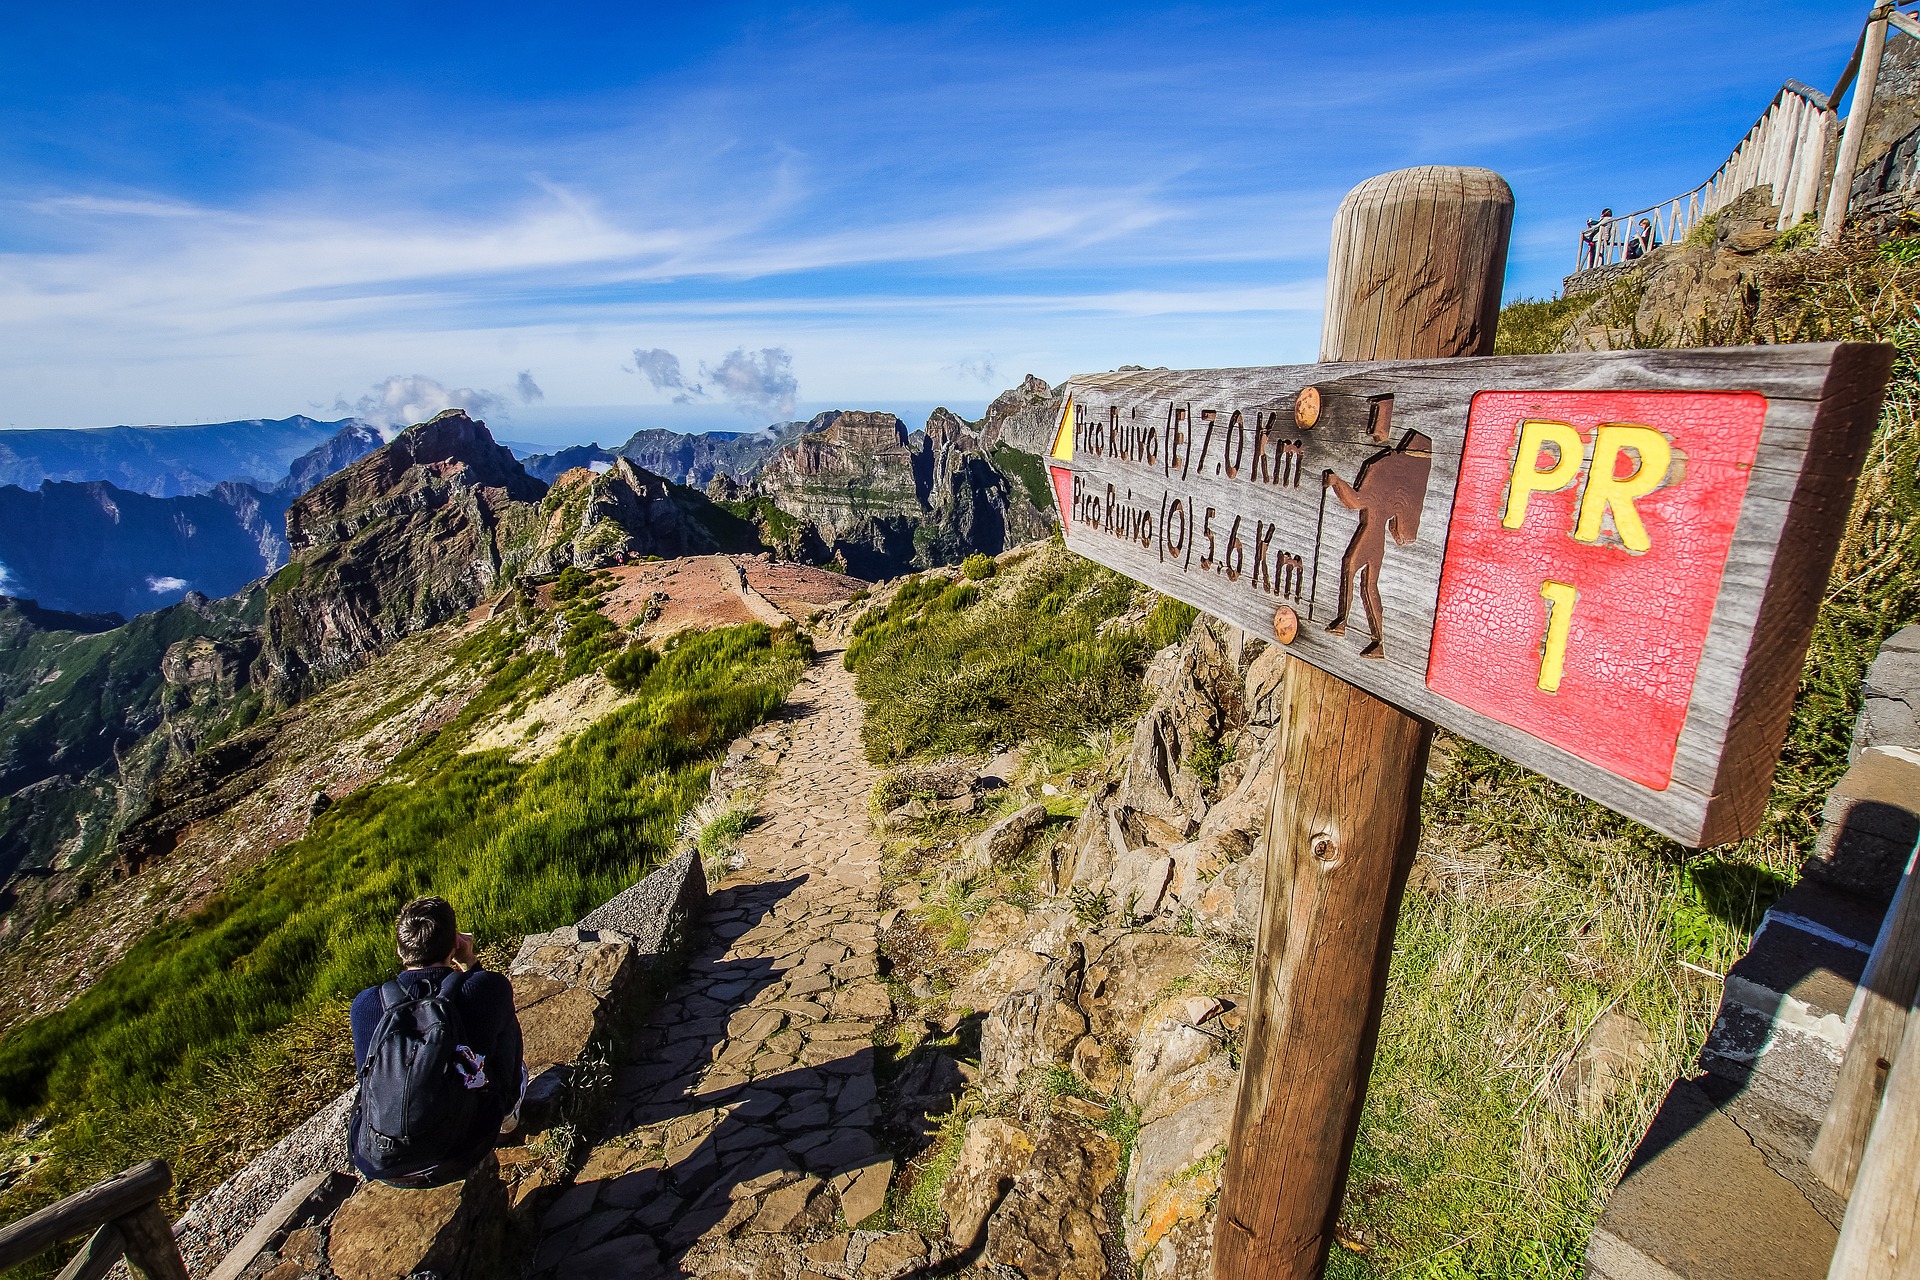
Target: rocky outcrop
[(885, 502), (594, 518), (416, 532), (695, 459), (1023, 418), (1102, 995)]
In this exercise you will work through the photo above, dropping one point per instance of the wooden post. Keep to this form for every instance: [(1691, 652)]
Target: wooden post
[(1880, 1236), (1415, 271), (1873, 43), (1887, 989)]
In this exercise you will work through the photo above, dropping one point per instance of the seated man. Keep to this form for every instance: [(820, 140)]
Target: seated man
[(437, 1050)]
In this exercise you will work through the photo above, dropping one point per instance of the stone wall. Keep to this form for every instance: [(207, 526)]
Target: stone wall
[(1719, 1186), (298, 1211)]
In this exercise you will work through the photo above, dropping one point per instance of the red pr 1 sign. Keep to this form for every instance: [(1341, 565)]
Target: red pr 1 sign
[(1603, 566)]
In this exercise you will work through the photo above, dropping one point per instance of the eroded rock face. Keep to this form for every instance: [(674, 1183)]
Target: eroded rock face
[(1049, 1225), (1037, 1027), (413, 534), (1023, 418), (886, 502), (595, 518)]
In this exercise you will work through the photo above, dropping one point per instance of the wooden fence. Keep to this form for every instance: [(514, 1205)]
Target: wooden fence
[(125, 1219), (1787, 148)]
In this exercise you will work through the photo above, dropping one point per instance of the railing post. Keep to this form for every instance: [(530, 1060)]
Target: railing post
[(1874, 44)]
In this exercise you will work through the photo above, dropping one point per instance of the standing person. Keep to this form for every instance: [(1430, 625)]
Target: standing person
[(437, 1050), (1591, 248)]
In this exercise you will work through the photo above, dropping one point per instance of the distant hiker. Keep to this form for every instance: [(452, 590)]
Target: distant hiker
[(1388, 493), (1591, 248), (1643, 240), (437, 1050)]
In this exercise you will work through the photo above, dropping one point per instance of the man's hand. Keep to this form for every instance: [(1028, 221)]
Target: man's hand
[(463, 951)]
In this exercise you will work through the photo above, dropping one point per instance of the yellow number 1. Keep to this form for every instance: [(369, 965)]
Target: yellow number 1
[(1553, 654)]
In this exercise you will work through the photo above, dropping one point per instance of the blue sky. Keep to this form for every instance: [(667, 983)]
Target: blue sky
[(215, 212)]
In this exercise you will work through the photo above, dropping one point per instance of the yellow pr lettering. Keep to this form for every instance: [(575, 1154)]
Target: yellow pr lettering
[(1652, 456), (1527, 476), (1560, 598)]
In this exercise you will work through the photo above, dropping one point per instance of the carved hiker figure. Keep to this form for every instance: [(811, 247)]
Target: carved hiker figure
[(1387, 493)]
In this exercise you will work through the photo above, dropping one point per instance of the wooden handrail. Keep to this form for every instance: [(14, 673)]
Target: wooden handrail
[(123, 1213)]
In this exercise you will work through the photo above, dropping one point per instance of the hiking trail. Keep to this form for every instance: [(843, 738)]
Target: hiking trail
[(746, 1099)]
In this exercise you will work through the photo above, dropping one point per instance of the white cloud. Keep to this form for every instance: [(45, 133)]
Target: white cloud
[(978, 368), (165, 585), (9, 585), (756, 380), (400, 401)]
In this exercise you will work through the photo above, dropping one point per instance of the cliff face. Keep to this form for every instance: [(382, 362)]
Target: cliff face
[(342, 449), (1022, 418), (96, 547), (884, 502), (625, 513), (696, 459), (416, 532)]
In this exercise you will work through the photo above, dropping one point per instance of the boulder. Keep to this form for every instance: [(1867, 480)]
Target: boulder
[(565, 995), (1264, 687), (1175, 1092), (1011, 969), (1140, 882), (1168, 1046), (1184, 1252), (1049, 1226), (1616, 1048), (991, 1154), (1170, 1180), (1090, 847), (998, 925), (1153, 769), (1038, 1027), (1006, 839), (390, 1233), (1132, 975), (1231, 904)]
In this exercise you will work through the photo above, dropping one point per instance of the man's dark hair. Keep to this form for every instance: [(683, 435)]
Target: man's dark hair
[(425, 933)]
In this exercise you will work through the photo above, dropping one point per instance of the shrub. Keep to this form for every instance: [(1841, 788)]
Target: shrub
[(571, 582), (978, 566), (1027, 663), (630, 666)]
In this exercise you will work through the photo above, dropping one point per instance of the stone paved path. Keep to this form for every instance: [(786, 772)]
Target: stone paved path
[(746, 1103)]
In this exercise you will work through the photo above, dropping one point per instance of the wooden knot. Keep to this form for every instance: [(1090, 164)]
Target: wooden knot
[(1326, 850)]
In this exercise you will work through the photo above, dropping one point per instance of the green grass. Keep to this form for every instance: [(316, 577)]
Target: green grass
[(1532, 326), (945, 672), (516, 848)]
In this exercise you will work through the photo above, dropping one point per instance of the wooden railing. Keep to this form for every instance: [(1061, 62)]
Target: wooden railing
[(1786, 148), (125, 1219)]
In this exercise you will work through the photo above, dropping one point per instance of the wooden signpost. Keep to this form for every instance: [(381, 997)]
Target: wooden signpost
[(1604, 566)]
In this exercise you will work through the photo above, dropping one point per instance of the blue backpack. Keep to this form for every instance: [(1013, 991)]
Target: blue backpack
[(414, 1108)]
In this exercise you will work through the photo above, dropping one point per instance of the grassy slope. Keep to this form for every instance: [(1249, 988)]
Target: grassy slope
[(1535, 911), (218, 1029), (941, 674)]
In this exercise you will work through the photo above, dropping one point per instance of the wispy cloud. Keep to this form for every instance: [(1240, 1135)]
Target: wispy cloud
[(1055, 209), (161, 586), (399, 402), (751, 381)]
